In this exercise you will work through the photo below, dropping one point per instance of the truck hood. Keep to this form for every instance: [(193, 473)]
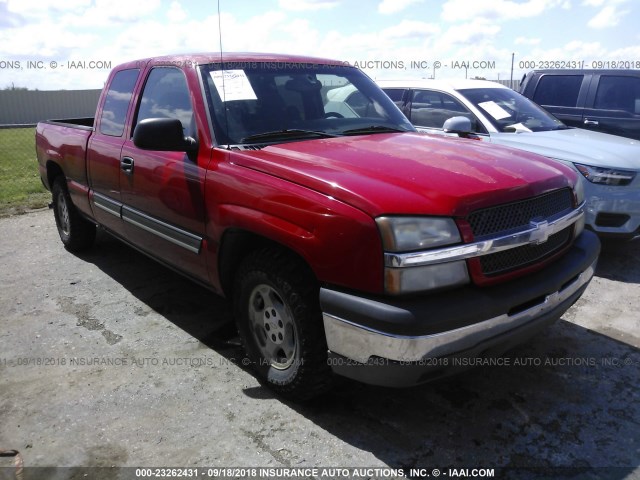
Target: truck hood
[(409, 173), (577, 145)]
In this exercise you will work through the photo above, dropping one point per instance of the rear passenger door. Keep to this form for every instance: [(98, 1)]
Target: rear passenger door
[(563, 96), (614, 101), (105, 146), (163, 192)]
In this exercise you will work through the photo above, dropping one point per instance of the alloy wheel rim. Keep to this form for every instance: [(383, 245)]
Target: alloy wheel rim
[(273, 327), (63, 215)]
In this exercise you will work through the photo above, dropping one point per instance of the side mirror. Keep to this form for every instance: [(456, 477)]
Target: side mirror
[(459, 125), (164, 134)]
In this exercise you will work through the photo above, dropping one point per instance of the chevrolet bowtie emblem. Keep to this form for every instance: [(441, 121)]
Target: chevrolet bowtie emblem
[(540, 233)]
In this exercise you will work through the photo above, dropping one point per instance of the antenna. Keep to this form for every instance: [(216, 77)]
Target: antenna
[(224, 90)]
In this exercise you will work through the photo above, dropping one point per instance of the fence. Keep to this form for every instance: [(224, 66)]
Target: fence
[(20, 110), (20, 185), (28, 107)]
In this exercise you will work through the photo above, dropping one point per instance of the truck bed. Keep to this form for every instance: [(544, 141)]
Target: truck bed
[(64, 143), (85, 123)]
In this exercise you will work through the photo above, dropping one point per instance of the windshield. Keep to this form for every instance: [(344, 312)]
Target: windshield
[(509, 111), (273, 102)]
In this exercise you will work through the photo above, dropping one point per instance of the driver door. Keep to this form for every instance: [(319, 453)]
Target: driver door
[(163, 192)]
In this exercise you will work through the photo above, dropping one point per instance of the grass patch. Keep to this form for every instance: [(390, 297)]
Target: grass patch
[(20, 186)]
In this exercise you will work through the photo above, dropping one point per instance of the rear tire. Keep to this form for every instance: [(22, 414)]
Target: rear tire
[(76, 233), (280, 323)]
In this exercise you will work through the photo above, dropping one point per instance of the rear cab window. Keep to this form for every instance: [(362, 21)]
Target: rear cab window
[(116, 104)]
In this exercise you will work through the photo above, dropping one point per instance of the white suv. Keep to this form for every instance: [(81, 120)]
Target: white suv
[(491, 112)]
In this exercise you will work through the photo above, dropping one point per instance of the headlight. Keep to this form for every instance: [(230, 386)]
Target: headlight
[(404, 234), (409, 234), (606, 176)]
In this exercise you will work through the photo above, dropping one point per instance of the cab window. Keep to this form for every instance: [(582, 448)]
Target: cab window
[(116, 105), (166, 95), (558, 90)]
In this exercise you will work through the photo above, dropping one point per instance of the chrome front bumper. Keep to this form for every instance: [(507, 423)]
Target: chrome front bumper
[(360, 343)]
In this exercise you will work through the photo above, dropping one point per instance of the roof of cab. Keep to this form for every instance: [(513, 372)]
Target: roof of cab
[(237, 58)]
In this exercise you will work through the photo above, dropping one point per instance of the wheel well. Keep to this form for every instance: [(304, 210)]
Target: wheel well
[(236, 245), (53, 171)]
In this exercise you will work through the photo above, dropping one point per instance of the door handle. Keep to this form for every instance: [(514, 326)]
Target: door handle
[(591, 122), (126, 165)]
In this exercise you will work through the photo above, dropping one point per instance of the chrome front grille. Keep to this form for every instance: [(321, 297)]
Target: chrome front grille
[(502, 219), (511, 216), (519, 257)]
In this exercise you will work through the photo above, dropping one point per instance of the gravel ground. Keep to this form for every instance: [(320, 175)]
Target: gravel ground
[(110, 360)]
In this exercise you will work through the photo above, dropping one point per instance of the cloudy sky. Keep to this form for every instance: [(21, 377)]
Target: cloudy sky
[(53, 44)]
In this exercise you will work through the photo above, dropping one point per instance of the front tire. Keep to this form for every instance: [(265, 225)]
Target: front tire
[(76, 233), (279, 320)]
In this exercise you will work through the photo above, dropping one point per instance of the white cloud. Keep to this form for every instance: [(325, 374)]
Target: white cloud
[(261, 28), (388, 7), (306, 5), (42, 9), (625, 53), (411, 29), (599, 3), (151, 38), (9, 19), (122, 10), (497, 10), (609, 16), (41, 40), (110, 14), (573, 50), (477, 32), (176, 13), (527, 41)]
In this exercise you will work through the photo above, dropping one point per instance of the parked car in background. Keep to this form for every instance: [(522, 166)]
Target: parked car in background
[(492, 112), (602, 100)]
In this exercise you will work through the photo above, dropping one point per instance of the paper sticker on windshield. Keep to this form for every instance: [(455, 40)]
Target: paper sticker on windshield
[(495, 110), (233, 85), (518, 128)]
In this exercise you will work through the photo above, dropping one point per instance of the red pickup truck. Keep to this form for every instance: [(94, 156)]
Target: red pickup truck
[(348, 243)]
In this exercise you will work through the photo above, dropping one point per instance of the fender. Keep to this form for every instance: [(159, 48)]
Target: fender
[(339, 242)]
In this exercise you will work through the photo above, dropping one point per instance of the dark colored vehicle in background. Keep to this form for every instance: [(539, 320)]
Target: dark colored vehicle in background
[(347, 242), (602, 100)]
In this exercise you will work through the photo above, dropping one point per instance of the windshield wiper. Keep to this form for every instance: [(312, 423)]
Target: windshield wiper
[(286, 134), (374, 129)]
